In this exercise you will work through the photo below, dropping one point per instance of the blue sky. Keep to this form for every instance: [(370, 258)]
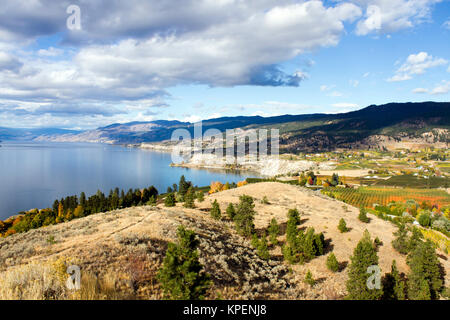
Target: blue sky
[(150, 60)]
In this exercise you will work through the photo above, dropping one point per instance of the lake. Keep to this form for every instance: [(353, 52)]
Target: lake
[(34, 174)]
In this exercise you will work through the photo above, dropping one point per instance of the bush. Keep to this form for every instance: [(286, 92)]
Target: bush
[(215, 210), (200, 196), (181, 275), (342, 226), (332, 263), (363, 215), (274, 231), (231, 212), (309, 279), (169, 201), (424, 220)]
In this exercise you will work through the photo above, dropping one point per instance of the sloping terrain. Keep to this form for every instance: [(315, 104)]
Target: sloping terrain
[(131, 243)]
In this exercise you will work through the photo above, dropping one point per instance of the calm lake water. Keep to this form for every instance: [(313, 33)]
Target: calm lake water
[(33, 174)]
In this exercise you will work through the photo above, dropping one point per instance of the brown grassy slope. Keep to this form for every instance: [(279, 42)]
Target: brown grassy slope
[(131, 244)]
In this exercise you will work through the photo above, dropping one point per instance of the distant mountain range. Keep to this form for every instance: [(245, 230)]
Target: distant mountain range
[(298, 132)]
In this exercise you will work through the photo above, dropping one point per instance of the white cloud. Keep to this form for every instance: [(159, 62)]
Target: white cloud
[(386, 16), (446, 24), (354, 83), (416, 64), (325, 88), (335, 94), (442, 88), (420, 90)]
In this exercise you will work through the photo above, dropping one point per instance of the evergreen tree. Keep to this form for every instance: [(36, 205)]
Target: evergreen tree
[(181, 275), (274, 231), (424, 279), (189, 198), (342, 227), (363, 215), (415, 239), (215, 210), (183, 186), (83, 199), (400, 243), (169, 201), (309, 279), (231, 212), (200, 196), (363, 257), (393, 285), (245, 215), (262, 249), (332, 263)]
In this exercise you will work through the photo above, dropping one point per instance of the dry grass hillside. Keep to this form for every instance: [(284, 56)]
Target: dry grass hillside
[(125, 248)]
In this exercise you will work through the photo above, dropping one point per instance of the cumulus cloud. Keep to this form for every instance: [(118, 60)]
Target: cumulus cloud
[(416, 64), (386, 16), (442, 88)]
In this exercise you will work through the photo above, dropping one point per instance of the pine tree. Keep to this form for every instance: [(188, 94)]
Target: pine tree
[(200, 196), (363, 215), (181, 275), (400, 243), (169, 201), (415, 239), (309, 279), (342, 227), (215, 210), (245, 215), (393, 285), (183, 186), (332, 263), (424, 279), (363, 257), (263, 251), (231, 212), (274, 231), (189, 199)]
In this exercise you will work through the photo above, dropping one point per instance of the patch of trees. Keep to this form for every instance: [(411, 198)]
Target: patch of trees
[(73, 207), (301, 246)]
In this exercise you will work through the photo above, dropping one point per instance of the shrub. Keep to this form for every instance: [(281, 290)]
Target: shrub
[(215, 210), (363, 215), (342, 227), (200, 196), (181, 275), (265, 200), (262, 249), (332, 263), (169, 201), (231, 212), (309, 279), (274, 231), (424, 220)]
